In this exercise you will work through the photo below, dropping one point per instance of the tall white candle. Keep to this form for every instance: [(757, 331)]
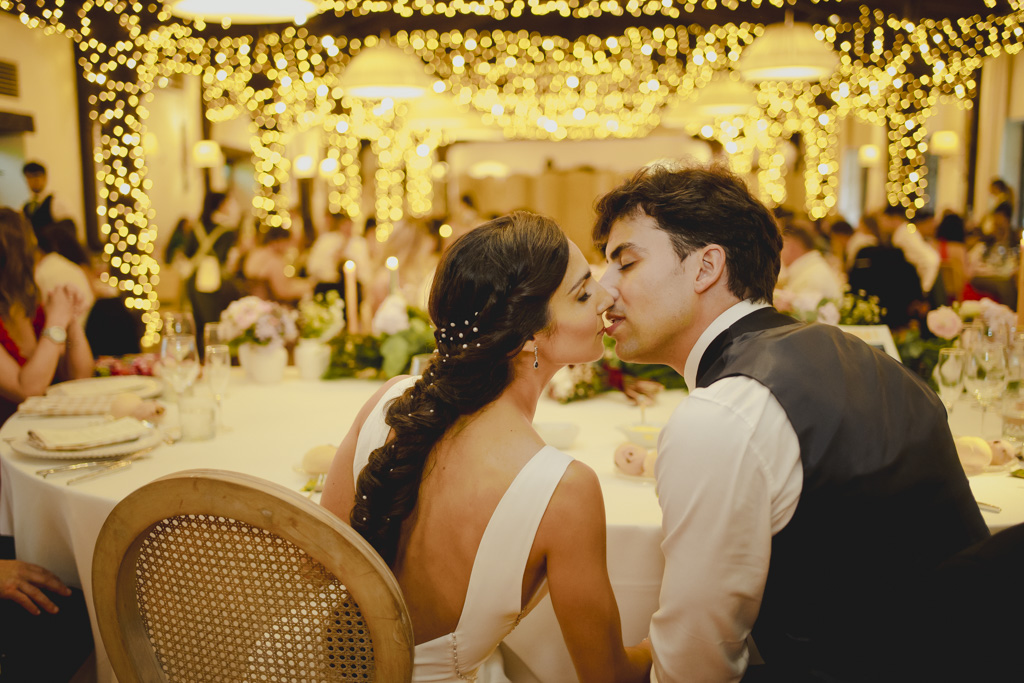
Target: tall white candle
[(351, 298), (392, 265)]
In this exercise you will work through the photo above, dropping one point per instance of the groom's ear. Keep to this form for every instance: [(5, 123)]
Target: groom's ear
[(710, 269)]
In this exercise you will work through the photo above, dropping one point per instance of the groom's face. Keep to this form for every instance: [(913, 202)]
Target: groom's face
[(653, 291)]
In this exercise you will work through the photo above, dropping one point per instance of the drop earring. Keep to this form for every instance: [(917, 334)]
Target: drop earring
[(536, 362)]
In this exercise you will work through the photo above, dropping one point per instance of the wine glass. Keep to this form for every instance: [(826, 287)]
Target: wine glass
[(217, 373), (949, 375), (985, 375), (177, 323), (179, 361)]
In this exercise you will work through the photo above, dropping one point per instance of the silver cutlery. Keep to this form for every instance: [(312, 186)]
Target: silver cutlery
[(93, 464), (100, 471), (988, 507)]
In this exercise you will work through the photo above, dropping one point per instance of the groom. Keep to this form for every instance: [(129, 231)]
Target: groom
[(807, 482)]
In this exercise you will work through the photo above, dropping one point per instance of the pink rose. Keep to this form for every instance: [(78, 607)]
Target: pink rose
[(829, 314), (944, 322)]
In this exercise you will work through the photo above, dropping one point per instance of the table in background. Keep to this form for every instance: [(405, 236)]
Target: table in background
[(270, 429)]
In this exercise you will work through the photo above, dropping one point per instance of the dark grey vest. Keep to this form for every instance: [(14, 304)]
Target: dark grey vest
[(43, 214), (884, 498)]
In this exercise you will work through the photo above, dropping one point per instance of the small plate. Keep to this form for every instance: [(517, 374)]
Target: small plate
[(140, 385), (632, 477), (22, 446)]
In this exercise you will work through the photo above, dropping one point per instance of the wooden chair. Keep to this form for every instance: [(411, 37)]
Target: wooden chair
[(209, 575)]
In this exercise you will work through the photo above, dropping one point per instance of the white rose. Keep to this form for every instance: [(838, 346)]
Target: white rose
[(392, 317)]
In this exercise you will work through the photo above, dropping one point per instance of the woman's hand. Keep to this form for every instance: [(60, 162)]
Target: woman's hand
[(59, 306), (79, 309)]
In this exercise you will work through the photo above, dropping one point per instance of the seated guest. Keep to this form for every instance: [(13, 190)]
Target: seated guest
[(804, 269), (265, 269), (38, 613), (883, 271), (840, 233), (473, 526), (949, 240), (807, 483), (41, 337), (924, 258), (995, 254), (63, 261)]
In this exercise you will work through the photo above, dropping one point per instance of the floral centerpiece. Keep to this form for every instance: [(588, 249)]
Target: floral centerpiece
[(640, 383), (321, 319), (944, 325), (132, 364), (252, 320), (399, 332), (850, 309), (321, 316), (259, 330)]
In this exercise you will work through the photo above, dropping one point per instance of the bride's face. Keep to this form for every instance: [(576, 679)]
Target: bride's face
[(576, 333)]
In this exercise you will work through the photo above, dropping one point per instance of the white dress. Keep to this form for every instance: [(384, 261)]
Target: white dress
[(494, 596)]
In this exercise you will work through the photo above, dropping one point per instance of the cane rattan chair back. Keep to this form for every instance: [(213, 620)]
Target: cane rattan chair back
[(207, 575)]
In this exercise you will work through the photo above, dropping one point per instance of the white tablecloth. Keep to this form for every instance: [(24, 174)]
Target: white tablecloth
[(272, 426)]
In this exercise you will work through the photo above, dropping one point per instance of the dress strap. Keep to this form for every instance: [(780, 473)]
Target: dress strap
[(375, 430), (495, 583)]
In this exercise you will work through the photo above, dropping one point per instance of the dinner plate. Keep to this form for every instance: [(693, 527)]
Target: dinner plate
[(140, 385), (23, 446)]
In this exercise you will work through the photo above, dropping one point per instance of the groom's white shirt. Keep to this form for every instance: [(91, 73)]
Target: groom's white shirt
[(728, 478)]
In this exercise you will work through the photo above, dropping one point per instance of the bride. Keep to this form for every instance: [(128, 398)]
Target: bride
[(445, 476)]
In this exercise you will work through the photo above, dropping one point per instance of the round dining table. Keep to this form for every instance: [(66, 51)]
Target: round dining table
[(265, 431)]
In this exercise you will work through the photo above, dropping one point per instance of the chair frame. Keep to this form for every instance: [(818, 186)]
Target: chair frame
[(259, 503)]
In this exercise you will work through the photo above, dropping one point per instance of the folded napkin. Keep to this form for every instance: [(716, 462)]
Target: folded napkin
[(102, 386), (66, 405), (78, 438)]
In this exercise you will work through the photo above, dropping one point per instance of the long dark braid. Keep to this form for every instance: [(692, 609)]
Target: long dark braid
[(490, 295)]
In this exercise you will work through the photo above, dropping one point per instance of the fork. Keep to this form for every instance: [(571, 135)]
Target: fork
[(93, 464)]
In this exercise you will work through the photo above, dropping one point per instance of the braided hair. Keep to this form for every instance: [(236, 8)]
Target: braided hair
[(489, 297)]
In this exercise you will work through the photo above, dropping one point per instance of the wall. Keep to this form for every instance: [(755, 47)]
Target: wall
[(46, 83)]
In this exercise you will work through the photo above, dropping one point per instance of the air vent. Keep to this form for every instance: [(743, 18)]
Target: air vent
[(8, 79)]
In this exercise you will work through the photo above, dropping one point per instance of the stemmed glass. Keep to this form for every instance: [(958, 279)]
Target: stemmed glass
[(217, 373), (985, 374), (177, 323), (949, 375), (179, 361)]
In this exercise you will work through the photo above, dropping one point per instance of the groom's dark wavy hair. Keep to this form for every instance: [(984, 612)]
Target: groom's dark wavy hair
[(698, 206), (499, 279)]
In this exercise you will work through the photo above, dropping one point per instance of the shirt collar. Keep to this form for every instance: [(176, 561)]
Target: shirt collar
[(720, 324)]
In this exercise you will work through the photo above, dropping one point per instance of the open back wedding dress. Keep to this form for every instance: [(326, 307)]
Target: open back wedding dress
[(494, 596)]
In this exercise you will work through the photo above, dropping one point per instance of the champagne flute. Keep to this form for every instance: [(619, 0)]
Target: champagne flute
[(949, 375), (217, 373), (179, 361), (985, 375), (177, 323)]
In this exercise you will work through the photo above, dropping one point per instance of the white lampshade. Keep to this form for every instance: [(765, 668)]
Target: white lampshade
[(244, 11), (945, 143), (726, 95), (385, 71), (207, 154), (787, 52), (868, 155), (304, 166), (329, 166)]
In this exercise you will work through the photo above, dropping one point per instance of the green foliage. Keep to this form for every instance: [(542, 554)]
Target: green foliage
[(920, 354), (363, 355)]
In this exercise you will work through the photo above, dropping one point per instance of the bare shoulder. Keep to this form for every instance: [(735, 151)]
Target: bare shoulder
[(577, 500)]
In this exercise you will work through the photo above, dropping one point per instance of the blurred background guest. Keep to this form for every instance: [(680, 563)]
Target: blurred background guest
[(881, 269), (269, 272), (949, 241), (805, 272), (41, 338), (42, 208)]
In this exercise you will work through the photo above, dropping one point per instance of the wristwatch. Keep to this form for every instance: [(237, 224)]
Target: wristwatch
[(56, 334)]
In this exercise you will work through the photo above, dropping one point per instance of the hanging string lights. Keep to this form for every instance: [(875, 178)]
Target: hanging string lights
[(532, 84)]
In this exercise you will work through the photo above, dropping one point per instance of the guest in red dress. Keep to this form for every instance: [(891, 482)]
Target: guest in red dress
[(41, 333)]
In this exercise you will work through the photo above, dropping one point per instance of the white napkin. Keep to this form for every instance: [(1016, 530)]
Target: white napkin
[(78, 438), (65, 405), (102, 386)]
